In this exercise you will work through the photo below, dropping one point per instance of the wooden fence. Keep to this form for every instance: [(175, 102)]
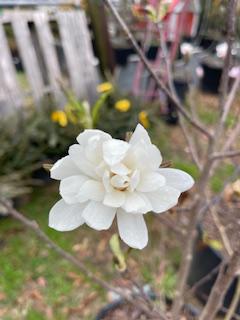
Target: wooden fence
[(45, 58)]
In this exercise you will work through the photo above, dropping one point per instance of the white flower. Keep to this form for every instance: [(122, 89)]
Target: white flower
[(104, 177), (234, 72), (186, 48), (221, 50)]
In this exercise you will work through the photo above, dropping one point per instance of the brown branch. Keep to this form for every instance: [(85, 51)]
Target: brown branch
[(185, 131), (221, 230), (234, 134), (231, 26), (224, 279), (190, 142), (159, 82), (153, 314), (202, 281), (234, 303), (229, 154), (230, 99)]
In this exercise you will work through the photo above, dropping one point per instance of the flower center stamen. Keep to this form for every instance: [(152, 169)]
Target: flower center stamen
[(119, 182)]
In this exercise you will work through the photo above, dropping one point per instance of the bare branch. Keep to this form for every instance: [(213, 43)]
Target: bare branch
[(230, 99), (185, 131), (159, 82), (221, 230), (190, 142), (229, 154), (234, 303), (234, 134), (202, 281), (231, 24)]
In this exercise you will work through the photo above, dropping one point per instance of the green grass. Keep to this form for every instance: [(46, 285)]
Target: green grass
[(221, 175)]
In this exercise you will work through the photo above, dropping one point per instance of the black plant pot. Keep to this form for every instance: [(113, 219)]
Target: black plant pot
[(42, 175), (181, 88), (208, 43), (109, 308), (122, 54), (211, 78), (205, 262)]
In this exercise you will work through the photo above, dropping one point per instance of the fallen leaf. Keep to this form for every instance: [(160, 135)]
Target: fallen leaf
[(41, 281), (2, 296)]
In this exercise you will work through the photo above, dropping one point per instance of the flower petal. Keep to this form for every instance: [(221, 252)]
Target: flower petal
[(98, 216), (150, 181), (132, 229), (134, 202), (120, 169), (155, 156), (143, 156), (69, 188), (114, 151), (93, 149), (77, 154), (140, 134), (63, 168), (114, 198), (89, 133), (134, 180), (91, 190), (163, 199), (177, 179), (65, 217), (106, 181)]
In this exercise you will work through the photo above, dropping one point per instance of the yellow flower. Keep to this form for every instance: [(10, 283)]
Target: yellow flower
[(104, 87), (122, 105), (143, 118), (213, 243), (60, 117), (71, 113)]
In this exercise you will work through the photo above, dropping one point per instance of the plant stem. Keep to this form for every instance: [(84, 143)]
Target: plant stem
[(231, 23), (234, 302)]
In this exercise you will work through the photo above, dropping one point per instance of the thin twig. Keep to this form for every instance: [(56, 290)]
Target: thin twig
[(231, 23), (190, 142), (234, 134), (159, 82), (229, 154), (184, 128), (221, 230), (202, 281), (234, 303), (230, 99)]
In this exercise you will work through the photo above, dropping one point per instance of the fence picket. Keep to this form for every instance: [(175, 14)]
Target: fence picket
[(11, 95), (75, 68), (82, 38), (28, 54), (49, 52)]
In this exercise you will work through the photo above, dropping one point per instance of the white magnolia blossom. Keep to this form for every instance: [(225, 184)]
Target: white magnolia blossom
[(221, 50), (187, 48), (104, 177)]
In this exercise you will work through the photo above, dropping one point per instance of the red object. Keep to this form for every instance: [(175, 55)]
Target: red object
[(180, 20)]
